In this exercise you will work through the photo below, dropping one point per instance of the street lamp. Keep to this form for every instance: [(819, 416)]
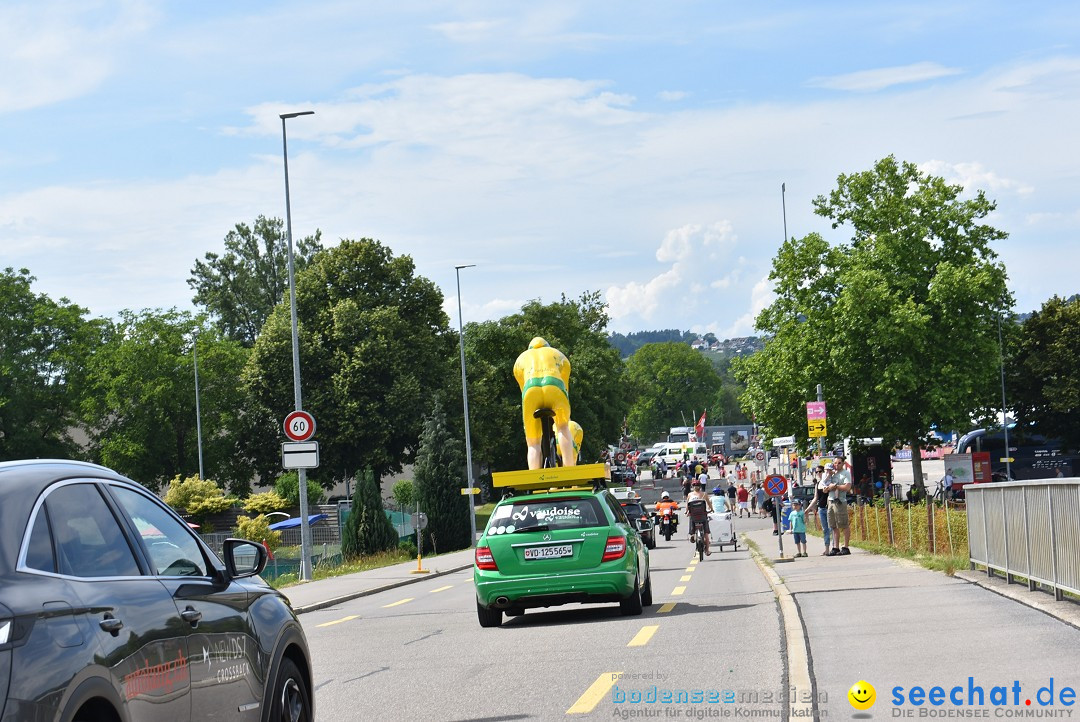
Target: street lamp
[(465, 401), (198, 412), (305, 527), (1004, 416)]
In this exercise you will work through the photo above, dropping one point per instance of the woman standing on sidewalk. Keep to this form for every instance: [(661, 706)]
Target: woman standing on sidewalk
[(821, 504)]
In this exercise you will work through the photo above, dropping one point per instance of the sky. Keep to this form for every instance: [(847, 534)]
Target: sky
[(637, 149)]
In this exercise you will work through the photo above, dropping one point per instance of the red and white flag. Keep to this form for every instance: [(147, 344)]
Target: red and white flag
[(699, 428)]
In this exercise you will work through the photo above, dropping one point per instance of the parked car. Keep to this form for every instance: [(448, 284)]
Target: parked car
[(559, 547), (111, 608)]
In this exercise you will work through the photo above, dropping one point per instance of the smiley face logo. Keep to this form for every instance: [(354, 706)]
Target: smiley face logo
[(862, 695)]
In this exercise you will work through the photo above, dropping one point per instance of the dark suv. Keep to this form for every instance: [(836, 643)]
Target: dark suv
[(112, 609)]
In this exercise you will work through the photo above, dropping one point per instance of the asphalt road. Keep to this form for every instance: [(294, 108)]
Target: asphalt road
[(419, 653)]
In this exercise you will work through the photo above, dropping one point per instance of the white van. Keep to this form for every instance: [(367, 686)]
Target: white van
[(674, 453)]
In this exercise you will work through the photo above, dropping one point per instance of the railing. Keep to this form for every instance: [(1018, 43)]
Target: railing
[(1029, 529)]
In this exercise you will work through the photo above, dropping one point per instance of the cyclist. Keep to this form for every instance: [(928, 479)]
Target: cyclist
[(543, 374), (696, 494)]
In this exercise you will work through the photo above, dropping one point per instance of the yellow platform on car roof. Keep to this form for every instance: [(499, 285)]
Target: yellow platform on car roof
[(556, 477)]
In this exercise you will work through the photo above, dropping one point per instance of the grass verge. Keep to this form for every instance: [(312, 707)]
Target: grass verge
[(375, 561)]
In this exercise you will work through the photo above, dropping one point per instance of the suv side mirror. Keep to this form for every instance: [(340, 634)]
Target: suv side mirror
[(243, 558)]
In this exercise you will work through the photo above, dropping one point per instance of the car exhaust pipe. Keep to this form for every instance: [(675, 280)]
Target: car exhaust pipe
[(502, 602)]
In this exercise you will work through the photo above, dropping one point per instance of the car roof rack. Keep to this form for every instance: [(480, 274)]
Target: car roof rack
[(559, 478)]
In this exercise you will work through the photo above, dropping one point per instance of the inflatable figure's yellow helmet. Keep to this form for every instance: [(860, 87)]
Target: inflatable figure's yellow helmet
[(537, 342)]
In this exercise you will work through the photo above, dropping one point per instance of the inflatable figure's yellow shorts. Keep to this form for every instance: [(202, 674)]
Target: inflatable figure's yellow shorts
[(543, 396)]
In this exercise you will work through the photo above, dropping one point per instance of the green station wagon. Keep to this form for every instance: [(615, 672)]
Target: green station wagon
[(559, 547)]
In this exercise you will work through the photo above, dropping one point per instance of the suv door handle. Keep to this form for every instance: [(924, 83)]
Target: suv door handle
[(191, 616), (111, 624)]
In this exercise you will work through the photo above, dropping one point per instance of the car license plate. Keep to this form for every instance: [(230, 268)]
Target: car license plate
[(550, 552)]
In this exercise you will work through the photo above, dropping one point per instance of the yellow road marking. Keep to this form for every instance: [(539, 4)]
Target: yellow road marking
[(400, 601), (596, 692), (442, 589), (642, 638), (684, 578), (338, 621), (665, 608), (677, 591)]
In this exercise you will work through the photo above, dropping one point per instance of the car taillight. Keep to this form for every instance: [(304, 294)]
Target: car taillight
[(484, 559), (615, 548)]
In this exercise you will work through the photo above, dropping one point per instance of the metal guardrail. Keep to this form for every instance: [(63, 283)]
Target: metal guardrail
[(1029, 529)]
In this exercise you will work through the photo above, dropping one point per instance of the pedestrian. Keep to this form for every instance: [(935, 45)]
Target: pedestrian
[(732, 496), (686, 483), (753, 500), (820, 504), (839, 484), (770, 509), (703, 478), (759, 494), (797, 518), (743, 496)]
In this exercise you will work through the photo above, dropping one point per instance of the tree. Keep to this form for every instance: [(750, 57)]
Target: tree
[(375, 346), (668, 382), (899, 325), (287, 486), (367, 530), (44, 345), (440, 467), (140, 400), (1044, 371), (197, 497), (597, 394), (242, 287), (404, 493)]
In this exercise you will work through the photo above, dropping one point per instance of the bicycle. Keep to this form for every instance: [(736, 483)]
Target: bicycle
[(697, 511)]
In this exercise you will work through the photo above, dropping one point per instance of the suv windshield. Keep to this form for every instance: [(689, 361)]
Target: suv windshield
[(551, 513)]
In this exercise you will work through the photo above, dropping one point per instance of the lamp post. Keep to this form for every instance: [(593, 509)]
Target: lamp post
[(1004, 416), (305, 527), (465, 402), (198, 412)]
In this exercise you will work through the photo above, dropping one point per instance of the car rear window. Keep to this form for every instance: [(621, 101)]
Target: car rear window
[(555, 513)]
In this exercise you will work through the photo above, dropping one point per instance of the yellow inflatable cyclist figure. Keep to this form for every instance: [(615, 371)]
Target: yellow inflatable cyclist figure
[(576, 432), (543, 373)]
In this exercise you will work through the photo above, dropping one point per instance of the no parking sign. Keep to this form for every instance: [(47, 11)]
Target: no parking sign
[(776, 485)]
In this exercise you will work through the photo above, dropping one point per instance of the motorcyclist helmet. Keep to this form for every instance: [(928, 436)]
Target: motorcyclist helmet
[(665, 495)]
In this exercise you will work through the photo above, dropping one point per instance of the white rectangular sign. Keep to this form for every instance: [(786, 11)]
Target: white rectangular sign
[(300, 455), (784, 441)]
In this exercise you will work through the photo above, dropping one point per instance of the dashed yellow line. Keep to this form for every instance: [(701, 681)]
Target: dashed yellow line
[(400, 601), (677, 591), (339, 621), (442, 589), (596, 692), (665, 608), (691, 568), (642, 638), (685, 578)]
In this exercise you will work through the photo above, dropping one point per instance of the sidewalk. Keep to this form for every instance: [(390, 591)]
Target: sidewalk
[(892, 622), (309, 596)]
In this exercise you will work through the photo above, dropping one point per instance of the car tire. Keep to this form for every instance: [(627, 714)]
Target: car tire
[(646, 593), (488, 617), (291, 702), (631, 606), (651, 543)]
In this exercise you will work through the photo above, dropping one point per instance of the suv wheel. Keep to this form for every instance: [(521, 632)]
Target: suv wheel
[(631, 606), (488, 617), (290, 702)]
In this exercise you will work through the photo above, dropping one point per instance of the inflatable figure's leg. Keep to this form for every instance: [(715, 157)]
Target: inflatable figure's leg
[(535, 455), (566, 445)]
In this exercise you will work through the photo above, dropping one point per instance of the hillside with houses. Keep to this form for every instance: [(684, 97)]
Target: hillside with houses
[(627, 344)]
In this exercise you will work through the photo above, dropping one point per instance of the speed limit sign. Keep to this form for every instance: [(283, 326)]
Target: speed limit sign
[(299, 426)]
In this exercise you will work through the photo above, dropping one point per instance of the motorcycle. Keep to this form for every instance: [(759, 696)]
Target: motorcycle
[(667, 522)]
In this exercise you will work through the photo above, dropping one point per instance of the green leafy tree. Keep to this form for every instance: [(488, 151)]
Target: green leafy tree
[(266, 502), (667, 382), (44, 345), (241, 287), (197, 497), (404, 493), (257, 529), (287, 486), (899, 325), (140, 404), (597, 397), (368, 530), (374, 346), (440, 468), (1044, 371)]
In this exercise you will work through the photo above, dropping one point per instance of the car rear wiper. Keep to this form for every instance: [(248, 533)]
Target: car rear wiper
[(534, 527)]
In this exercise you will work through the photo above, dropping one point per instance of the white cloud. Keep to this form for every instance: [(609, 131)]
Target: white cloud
[(468, 31), (973, 177), (671, 96), (881, 78), (761, 296)]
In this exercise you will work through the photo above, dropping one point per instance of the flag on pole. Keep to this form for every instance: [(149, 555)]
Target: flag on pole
[(699, 428)]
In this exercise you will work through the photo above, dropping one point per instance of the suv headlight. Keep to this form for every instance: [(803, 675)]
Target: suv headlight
[(5, 631)]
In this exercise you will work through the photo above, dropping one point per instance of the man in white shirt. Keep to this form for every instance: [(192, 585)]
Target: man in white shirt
[(696, 494), (838, 484)]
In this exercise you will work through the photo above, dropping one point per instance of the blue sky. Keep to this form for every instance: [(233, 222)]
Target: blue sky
[(633, 148)]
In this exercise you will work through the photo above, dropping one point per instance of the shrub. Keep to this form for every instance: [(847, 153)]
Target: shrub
[(288, 486), (368, 530), (257, 529), (408, 546), (198, 497), (265, 502)]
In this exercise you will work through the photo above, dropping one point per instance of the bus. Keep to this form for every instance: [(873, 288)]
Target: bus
[(1034, 456)]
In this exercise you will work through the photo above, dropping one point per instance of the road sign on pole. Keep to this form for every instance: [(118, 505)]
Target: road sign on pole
[(815, 410), (300, 455), (299, 425), (760, 456), (470, 490), (776, 485), (816, 427)]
